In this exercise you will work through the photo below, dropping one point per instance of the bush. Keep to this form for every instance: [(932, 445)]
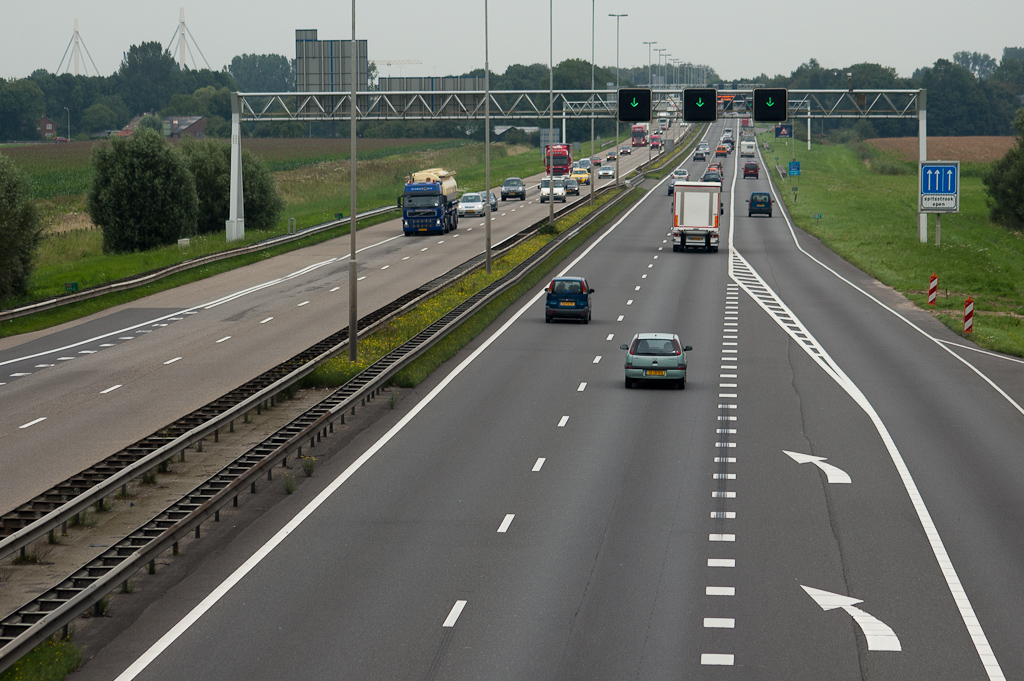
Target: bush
[(142, 194), (1004, 182), (209, 161), (20, 231)]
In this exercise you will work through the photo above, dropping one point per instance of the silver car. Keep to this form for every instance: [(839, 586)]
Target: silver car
[(473, 204), (656, 357)]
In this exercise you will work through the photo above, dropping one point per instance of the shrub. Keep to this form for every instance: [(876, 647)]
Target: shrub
[(142, 194), (210, 164), (1004, 182), (20, 231)]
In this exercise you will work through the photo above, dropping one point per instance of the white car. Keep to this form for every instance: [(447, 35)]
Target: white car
[(606, 171), (556, 194), (678, 174), (474, 204)]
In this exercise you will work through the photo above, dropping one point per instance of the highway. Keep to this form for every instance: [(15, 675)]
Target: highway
[(834, 495), (106, 381)]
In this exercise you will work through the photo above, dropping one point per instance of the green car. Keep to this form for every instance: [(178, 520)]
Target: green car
[(656, 357)]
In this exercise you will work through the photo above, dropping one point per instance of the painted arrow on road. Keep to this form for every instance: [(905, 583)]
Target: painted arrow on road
[(878, 634), (836, 476)]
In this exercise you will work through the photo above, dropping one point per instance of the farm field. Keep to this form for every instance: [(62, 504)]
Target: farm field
[(964, 149)]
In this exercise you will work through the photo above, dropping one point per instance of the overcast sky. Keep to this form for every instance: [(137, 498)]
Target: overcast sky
[(739, 39)]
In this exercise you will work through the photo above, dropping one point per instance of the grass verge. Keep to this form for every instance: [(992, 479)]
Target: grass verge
[(869, 218), (50, 661), (338, 371)]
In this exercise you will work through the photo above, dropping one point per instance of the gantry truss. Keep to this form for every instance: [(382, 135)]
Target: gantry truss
[(537, 104)]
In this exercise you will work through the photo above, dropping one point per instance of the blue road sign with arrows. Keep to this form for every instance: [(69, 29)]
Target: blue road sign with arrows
[(940, 187)]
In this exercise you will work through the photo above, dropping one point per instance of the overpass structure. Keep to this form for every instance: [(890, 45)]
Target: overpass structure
[(433, 105)]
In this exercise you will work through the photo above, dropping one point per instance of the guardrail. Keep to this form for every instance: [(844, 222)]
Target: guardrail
[(156, 275), (37, 621)]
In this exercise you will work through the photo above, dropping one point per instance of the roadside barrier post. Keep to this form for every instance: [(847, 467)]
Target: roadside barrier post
[(969, 315), (933, 288)]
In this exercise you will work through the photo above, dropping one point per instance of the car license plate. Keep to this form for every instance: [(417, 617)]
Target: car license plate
[(423, 229), (654, 372), (567, 303)]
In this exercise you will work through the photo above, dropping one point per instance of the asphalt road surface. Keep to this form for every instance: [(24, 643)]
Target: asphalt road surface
[(78, 393), (835, 495)]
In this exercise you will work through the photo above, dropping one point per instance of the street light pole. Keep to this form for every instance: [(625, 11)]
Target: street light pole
[(617, 18), (551, 109), (487, 148), (648, 43), (593, 15), (353, 317), (69, 123)]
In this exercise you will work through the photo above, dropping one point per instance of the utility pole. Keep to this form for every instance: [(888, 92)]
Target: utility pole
[(617, 18), (353, 317)]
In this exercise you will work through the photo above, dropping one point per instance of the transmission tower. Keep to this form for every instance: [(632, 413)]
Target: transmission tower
[(183, 44), (78, 44)]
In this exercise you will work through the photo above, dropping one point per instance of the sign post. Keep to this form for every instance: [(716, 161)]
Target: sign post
[(939, 191)]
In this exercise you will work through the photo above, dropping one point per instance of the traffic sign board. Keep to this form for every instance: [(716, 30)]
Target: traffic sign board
[(635, 105), (940, 187), (794, 168), (700, 105), (771, 104)]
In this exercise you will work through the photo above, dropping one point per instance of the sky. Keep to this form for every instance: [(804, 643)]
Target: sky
[(738, 39)]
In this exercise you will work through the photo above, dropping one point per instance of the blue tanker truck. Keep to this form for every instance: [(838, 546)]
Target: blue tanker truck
[(430, 202)]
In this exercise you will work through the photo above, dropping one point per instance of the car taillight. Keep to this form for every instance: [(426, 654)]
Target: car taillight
[(629, 365)]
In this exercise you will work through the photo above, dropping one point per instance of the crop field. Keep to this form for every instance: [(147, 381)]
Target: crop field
[(964, 149)]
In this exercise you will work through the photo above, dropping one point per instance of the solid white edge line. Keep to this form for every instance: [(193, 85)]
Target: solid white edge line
[(945, 564), (224, 587)]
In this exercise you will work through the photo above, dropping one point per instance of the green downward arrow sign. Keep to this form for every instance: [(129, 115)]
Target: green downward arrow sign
[(700, 101), (770, 102), (634, 102)]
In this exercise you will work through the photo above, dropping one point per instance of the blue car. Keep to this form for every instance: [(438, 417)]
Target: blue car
[(568, 298)]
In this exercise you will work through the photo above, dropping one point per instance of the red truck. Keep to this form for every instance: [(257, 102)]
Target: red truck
[(655, 141), (639, 133), (558, 159)]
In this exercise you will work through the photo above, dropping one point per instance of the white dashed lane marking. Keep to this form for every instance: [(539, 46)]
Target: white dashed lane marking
[(597, 359), (110, 389), (540, 464), (172, 361), (722, 562), (563, 421), (583, 386), (32, 423), (453, 616), (266, 320), (503, 528), (720, 591), (224, 339)]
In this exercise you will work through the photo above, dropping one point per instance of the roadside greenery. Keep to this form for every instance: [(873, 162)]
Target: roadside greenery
[(20, 231), (870, 220), (50, 661), (142, 194), (1005, 183)]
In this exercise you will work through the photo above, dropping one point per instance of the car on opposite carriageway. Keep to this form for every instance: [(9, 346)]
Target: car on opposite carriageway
[(513, 188)]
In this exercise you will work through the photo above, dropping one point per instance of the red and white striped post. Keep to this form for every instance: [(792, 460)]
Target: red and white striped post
[(969, 315), (933, 288)]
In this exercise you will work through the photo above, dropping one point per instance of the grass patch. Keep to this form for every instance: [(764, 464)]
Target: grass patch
[(50, 661), (869, 218), (338, 371)]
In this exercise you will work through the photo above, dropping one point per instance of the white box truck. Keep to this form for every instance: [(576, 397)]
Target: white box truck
[(695, 215), (748, 148)]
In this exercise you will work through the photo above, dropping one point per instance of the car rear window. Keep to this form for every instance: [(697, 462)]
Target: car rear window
[(759, 197), (655, 346)]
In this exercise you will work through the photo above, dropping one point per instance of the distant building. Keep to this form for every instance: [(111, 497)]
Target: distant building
[(47, 128), (185, 126)]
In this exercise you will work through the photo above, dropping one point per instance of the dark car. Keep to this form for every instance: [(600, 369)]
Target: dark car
[(568, 298), (514, 188), (750, 169), (625, 151), (611, 156), (760, 203), (572, 186), (711, 176)]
